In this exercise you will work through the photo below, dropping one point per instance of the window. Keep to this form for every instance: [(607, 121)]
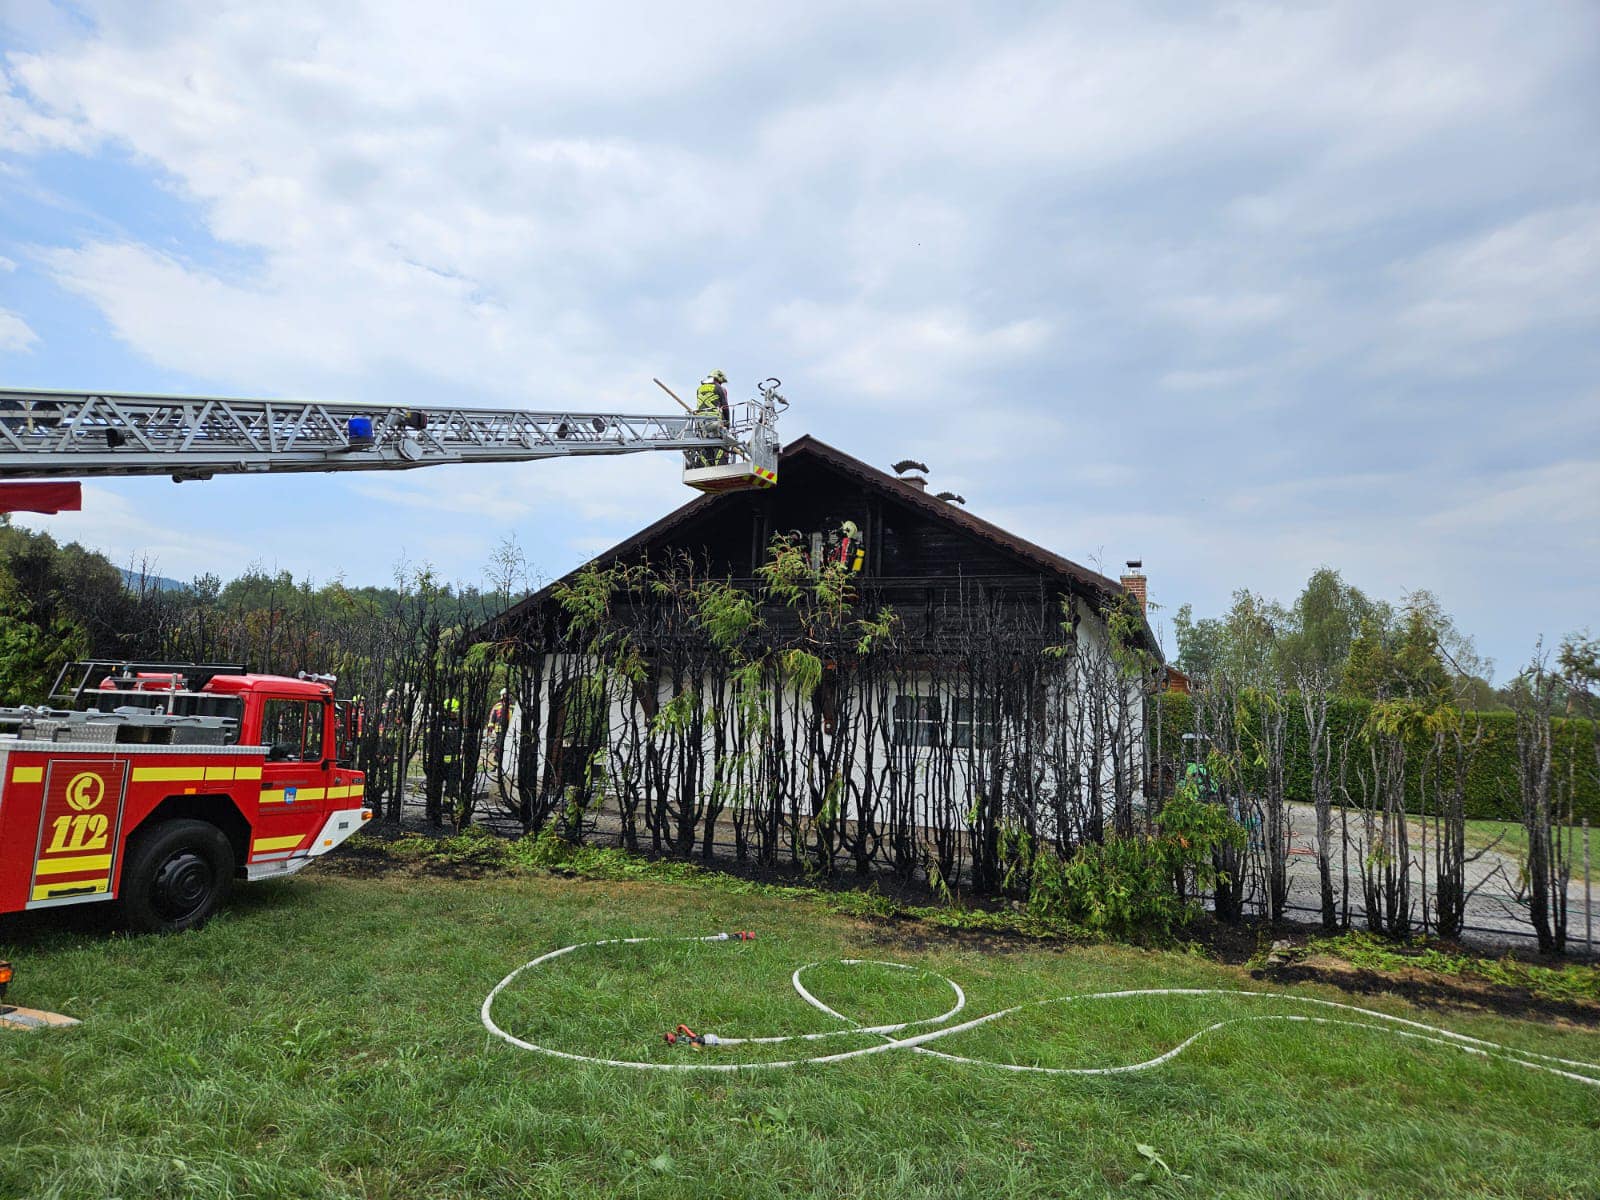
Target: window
[(183, 704), (971, 719), (916, 721), (291, 730), (347, 717)]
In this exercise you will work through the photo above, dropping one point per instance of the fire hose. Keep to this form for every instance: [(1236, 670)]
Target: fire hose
[(920, 1042)]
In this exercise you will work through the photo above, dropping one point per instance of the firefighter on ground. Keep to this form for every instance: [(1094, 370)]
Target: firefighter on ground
[(495, 743), (711, 400), (497, 714), (447, 756)]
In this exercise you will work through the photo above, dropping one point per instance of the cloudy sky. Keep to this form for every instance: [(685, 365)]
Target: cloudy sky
[(1239, 289)]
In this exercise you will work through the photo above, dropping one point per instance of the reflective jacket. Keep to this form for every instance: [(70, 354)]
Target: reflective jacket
[(712, 398)]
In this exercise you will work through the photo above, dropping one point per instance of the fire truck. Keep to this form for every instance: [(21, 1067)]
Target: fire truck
[(157, 785)]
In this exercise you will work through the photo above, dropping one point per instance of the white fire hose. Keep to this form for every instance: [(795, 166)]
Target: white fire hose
[(1581, 1072)]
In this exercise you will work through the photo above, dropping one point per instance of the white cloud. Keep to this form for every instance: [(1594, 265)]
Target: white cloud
[(1563, 495), (1204, 380), (562, 500), (903, 356), (26, 128), (1540, 271), (1125, 87), (114, 523), (1224, 313), (15, 335)]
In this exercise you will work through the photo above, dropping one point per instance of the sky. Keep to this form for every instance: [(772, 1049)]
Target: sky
[(1239, 290)]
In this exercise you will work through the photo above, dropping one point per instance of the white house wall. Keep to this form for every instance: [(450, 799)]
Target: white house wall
[(1093, 640)]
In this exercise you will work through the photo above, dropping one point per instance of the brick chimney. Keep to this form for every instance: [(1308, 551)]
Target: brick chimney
[(1134, 582), (916, 481)]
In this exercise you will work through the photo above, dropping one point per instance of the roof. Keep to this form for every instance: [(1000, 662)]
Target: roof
[(956, 515), (1099, 587)]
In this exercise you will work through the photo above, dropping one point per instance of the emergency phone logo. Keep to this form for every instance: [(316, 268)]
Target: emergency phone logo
[(85, 790)]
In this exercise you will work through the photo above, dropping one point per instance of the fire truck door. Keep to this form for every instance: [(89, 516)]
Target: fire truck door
[(80, 827), (293, 783)]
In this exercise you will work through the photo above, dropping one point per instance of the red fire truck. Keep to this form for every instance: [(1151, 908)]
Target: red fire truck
[(159, 784)]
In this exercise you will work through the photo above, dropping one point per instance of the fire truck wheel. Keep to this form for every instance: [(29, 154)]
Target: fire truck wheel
[(176, 876)]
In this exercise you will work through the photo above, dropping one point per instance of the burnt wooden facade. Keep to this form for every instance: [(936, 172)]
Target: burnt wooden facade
[(996, 708), (925, 557)]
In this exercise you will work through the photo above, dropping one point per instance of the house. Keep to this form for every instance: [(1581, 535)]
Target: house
[(843, 670)]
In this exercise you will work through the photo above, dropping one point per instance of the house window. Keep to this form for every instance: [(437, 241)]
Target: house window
[(916, 721), (973, 723)]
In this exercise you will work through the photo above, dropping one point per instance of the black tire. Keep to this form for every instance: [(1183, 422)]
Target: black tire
[(176, 875)]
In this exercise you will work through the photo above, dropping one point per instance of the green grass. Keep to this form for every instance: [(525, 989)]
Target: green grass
[(1571, 982), (1504, 837), (321, 1038), (1511, 839)]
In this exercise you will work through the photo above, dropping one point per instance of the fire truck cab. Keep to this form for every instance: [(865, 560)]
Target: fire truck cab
[(157, 785)]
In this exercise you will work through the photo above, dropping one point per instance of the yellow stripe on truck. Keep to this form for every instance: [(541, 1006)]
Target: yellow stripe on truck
[(168, 774), (218, 773), (84, 862), (83, 887), (28, 775), (247, 773), (262, 845)]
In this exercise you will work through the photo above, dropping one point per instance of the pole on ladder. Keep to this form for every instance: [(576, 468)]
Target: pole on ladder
[(674, 395)]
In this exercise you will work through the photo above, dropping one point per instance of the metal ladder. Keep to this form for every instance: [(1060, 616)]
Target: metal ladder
[(54, 434)]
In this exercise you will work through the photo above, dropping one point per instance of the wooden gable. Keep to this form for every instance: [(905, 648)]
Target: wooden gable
[(921, 551), (731, 533)]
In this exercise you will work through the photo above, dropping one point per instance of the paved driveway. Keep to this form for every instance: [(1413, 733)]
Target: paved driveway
[(1497, 911)]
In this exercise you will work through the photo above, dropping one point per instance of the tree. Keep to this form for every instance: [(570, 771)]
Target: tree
[(1326, 619), (1546, 807), (1200, 643), (1579, 660), (1242, 644), (1406, 661), (1370, 664), (31, 653)]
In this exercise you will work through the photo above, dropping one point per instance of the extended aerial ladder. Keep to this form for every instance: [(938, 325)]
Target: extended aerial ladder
[(57, 434)]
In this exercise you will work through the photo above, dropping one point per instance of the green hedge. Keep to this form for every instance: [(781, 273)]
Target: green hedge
[(1491, 786)]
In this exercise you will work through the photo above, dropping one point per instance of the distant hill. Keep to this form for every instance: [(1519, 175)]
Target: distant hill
[(158, 583)]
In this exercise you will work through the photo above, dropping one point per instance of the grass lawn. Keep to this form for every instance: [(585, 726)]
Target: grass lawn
[(322, 1038), (1506, 837)]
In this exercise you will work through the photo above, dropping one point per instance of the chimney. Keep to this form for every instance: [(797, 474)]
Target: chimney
[(1134, 582), (912, 473)]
